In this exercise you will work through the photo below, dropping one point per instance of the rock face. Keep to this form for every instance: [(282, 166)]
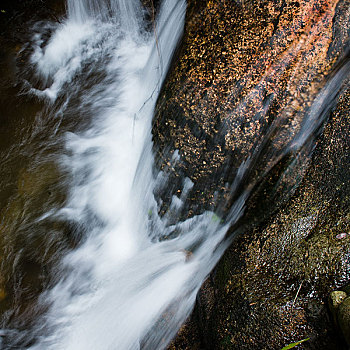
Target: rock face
[(271, 286), (249, 76), (246, 76)]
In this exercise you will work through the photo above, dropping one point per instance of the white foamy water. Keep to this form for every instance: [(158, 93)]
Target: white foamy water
[(125, 287)]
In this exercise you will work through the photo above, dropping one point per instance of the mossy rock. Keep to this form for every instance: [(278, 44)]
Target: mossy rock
[(343, 313), (336, 298)]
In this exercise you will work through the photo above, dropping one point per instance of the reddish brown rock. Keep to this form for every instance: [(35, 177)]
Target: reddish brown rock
[(245, 70), (247, 75)]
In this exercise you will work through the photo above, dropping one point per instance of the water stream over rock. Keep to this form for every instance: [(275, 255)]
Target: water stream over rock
[(125, 257), (103, 70)]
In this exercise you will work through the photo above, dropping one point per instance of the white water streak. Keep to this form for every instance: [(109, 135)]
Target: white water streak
[(123, 289)]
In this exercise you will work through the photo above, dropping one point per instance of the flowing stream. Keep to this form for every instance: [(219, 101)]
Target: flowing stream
[(126, 285)]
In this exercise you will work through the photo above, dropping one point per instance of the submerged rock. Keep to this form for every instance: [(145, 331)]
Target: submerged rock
[(30, 180)]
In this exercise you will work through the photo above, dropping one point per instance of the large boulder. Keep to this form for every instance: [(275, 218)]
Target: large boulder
[(234, 104), (272, 285), (249, 94)]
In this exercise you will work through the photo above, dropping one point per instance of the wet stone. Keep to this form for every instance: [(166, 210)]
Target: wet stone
[(336, 298), (243, 68)]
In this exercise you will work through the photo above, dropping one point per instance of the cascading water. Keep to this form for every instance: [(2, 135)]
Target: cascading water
[(133, 279), (124, 287)]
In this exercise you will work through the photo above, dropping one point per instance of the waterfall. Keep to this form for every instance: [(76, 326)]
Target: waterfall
[(132, 278), (127, 12), (126, 286)]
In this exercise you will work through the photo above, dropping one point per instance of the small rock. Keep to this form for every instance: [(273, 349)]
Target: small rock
[(188, 254), (336, 298), (344, 318)]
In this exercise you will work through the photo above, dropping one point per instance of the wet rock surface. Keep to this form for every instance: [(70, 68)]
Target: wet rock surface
[(272, 285), (246, 76)]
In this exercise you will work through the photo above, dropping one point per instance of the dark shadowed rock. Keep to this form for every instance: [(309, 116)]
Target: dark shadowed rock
[(339, 305), (344, 318)]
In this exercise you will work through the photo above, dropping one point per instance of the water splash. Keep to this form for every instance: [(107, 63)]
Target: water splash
[(128, 286)]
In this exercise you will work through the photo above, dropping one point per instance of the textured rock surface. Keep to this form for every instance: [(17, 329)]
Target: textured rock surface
[(272, 285), (248, 69), (336, 298), (245, 70)]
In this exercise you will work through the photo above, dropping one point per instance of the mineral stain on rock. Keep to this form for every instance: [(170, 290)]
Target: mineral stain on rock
[(247, 77), (245, 71)]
